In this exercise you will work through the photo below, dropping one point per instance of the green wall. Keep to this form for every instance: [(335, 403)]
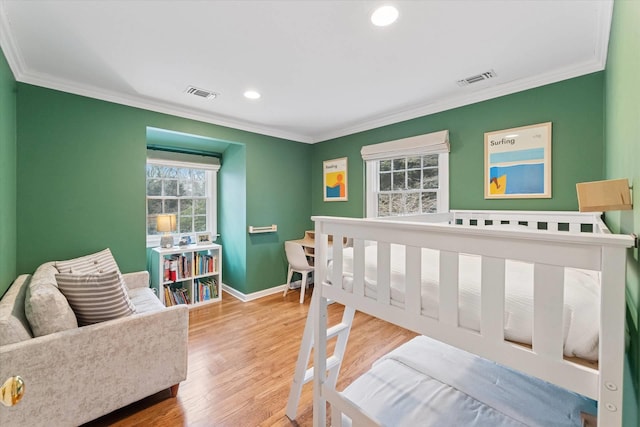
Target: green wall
[(81, 185), (287, 178), (574, 106), (622, 160), (232, 215), (7, 175)]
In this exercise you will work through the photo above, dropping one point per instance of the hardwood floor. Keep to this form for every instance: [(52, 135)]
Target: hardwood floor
[(241, 362)]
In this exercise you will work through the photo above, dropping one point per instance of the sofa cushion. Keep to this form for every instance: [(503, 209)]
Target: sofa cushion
[(45, 307), (99, 262), (14, 326), (145, 300), (95, 297)]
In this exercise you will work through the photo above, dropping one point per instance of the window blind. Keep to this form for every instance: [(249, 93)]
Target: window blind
[(157, 155), (430, 143)]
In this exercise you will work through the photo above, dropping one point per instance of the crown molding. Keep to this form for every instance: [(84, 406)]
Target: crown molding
[(467, 99), (157, 106), (18, 69), (384, 120), (8, 45), (380, 121), (597, 64), (605, 16)]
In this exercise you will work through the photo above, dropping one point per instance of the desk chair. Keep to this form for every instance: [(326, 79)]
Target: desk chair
[(297, 263)]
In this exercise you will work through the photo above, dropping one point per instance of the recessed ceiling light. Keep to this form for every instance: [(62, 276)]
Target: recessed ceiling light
[(383, 16), (252, 94)]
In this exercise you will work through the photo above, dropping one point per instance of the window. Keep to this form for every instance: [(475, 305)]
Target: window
[(408, 176), (407, 185), (185, 189)]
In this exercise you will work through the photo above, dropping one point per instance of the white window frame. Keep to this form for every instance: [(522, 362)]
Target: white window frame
[(433, 143), (373, 183), (212, 202)]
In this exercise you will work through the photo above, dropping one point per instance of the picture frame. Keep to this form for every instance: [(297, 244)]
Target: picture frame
[(334, 180), (517, 163), (203, 238), (184, 241)]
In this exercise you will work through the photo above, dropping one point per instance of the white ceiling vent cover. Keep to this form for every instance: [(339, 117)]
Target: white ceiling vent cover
[(477, 78), (201, 92)]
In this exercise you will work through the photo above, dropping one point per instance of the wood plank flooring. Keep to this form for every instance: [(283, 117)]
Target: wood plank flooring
[(241, 362)]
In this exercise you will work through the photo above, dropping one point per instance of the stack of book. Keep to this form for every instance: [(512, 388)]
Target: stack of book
[(205, 289), (177, 267), (175, 296), (204, 263)]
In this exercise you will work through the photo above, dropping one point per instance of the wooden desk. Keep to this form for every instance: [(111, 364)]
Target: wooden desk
[(308, 243)]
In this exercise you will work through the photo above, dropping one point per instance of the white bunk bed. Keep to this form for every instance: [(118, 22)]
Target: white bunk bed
[(550, 243)]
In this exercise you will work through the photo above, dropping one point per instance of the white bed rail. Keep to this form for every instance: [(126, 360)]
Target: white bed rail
[(574, 222), (549, 251)]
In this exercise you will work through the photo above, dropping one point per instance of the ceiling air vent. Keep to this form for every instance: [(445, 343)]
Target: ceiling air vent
[(202, 93), (477, 78)]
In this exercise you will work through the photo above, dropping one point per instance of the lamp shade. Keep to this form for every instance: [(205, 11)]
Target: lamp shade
[(602, 196), (166, 223)]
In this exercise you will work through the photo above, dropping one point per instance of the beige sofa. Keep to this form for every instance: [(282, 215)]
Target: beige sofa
[(78, 374)]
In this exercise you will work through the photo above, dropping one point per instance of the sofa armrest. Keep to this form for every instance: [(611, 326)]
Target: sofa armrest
[(138, 279), (78, 375)]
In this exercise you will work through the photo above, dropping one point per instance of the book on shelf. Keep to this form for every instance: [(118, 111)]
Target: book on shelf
[(176, 295), (204, 263), (173, 270), (177, 267), (167, 268), (168, 297), (182, 295), (206, 289), (184, 266)]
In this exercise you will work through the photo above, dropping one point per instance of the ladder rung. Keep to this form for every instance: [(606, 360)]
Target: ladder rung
[(332, 362), (303, 374), (335, 330)]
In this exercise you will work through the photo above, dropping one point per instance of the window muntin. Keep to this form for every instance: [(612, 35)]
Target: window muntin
[(407, 185), (186, 190)]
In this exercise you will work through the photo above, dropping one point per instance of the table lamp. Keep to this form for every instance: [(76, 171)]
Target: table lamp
[(166, 223)]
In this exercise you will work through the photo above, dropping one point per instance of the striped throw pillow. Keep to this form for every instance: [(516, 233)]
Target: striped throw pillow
[(95, 297), (100, 262), (97, 263)]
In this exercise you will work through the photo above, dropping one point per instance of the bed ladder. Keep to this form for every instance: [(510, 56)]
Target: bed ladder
[(303, 374)]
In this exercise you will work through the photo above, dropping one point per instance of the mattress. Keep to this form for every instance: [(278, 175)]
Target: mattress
[(427, 383), (581, 316)]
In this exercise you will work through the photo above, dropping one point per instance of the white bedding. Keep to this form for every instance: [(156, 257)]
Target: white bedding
[(427, 383), (581, 297)]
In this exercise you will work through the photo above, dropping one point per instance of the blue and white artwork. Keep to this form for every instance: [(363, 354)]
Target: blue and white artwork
[(518, 162)]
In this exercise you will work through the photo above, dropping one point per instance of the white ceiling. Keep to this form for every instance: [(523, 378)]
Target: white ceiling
[(323, 69)]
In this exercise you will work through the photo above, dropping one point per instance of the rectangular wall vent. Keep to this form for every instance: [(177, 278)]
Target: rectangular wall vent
[(477, 78), (201, 92)]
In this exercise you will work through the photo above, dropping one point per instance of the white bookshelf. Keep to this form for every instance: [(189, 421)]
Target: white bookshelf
[(183, 273)]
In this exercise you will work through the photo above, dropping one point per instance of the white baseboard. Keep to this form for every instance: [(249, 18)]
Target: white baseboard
[(254, 295)]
